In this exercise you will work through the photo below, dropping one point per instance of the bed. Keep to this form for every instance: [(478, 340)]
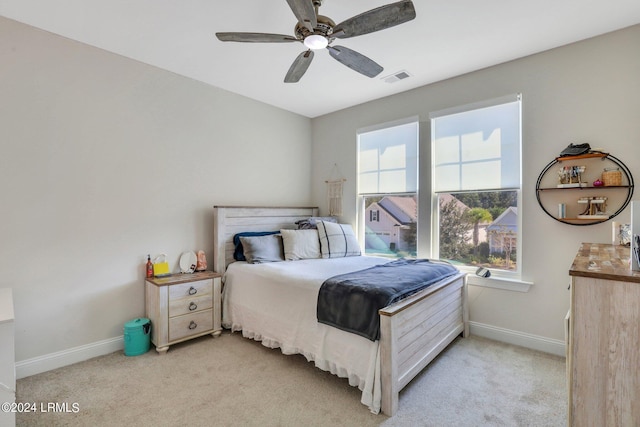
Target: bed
[(275, 303)]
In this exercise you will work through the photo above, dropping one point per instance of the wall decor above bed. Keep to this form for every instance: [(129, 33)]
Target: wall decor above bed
[(276, 303), (335, 189)]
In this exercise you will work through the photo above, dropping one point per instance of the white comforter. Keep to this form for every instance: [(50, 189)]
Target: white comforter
[(275, 303)]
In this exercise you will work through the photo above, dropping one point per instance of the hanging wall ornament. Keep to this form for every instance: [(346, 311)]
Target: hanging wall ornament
[(334, 192)]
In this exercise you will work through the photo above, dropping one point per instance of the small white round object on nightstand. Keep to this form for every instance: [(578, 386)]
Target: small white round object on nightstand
[(188, 261)]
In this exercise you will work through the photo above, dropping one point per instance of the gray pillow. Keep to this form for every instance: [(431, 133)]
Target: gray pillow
[(259, 249), (312, 222)]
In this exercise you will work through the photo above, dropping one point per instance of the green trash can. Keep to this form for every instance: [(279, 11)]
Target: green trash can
[(137, 336)]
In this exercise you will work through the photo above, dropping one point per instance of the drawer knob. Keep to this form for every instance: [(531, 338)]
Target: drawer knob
[(193, 325), (192, 291), (193, 306)]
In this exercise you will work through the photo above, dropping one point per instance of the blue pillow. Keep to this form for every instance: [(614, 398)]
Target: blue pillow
[(238, 253)]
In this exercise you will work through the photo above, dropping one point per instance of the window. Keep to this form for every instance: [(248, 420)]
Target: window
[(387, 188), (476, 184)]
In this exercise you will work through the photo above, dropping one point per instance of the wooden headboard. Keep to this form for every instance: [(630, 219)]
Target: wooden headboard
[(230, 220)]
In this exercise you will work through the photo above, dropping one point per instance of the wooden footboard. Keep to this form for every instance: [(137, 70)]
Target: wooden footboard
[(415, 330)]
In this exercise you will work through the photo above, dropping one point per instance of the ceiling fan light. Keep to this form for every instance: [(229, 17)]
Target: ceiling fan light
[(316, 41)]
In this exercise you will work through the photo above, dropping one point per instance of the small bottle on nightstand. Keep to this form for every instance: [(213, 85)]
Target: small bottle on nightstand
[(149, 267)]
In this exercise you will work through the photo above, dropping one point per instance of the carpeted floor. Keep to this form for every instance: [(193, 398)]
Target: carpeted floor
[(233, 381)]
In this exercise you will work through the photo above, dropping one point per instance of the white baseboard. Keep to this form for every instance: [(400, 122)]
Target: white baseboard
[(47, 362), (534, 342)]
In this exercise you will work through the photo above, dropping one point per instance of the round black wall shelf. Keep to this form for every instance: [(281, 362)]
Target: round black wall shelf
[(572, 195)]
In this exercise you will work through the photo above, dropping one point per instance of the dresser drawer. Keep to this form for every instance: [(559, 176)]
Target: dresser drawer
[(190, 324), (193, 304), (193, 289)]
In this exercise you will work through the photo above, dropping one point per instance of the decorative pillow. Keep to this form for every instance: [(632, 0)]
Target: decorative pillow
[(337, 240), (259, 249), (238, 253), (300, 244), (312, 222)]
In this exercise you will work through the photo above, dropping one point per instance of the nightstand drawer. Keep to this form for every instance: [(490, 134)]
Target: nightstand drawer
[(194, 304), (193, 289), (190, 324)]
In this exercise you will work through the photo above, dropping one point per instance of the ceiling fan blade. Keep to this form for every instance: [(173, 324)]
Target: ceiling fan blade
[(305, 12), (299, 67), (376, 19), (354, 60), (255, 38)]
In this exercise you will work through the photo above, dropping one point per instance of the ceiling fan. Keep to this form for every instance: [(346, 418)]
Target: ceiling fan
[(318, 32)]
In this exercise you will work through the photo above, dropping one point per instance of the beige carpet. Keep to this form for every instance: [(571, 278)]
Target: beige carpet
[(233, 381)]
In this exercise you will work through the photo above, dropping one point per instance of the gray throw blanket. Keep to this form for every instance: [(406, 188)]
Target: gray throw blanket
[(351, 301)]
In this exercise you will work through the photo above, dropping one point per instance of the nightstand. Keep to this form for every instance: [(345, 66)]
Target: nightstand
[(182, 307)]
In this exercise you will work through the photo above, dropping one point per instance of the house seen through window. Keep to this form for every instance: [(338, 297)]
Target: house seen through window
[(387, 188), (476, 184)]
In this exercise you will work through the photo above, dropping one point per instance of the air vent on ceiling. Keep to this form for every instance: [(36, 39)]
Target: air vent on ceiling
[(395, 77)]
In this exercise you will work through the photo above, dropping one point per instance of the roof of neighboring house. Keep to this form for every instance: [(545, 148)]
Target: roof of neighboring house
[(404, 209), (447, 198), (508, 220)]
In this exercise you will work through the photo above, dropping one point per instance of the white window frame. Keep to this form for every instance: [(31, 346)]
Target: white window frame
[(502, 279)]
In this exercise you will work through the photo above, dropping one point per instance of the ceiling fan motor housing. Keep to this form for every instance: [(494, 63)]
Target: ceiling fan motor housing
[(324, 28)]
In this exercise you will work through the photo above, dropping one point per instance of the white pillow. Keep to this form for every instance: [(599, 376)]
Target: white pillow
[(300, 244), (337, 240)]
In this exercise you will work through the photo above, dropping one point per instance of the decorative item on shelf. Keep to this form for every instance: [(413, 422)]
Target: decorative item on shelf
[(562, 210), (575, 150), (160, 268), (201, 265), (571, 176), (596, 208), (598, 183), (611, 177)]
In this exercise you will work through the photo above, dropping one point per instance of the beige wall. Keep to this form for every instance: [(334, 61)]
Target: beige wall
[(585, 92), (103, 160)]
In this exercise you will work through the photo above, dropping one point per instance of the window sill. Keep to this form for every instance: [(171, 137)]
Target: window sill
[(504, 283)]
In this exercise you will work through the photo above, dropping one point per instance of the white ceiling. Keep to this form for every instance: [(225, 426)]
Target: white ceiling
[(447, 38)]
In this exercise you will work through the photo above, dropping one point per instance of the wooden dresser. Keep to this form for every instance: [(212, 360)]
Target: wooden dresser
[(603, 357), (182, 307)]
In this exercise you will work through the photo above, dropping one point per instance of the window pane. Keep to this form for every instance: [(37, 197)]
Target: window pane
[(486, 139), (390, 181), (479, 175), (368, 160), (391, 225), (479, 228), (388, 160)]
